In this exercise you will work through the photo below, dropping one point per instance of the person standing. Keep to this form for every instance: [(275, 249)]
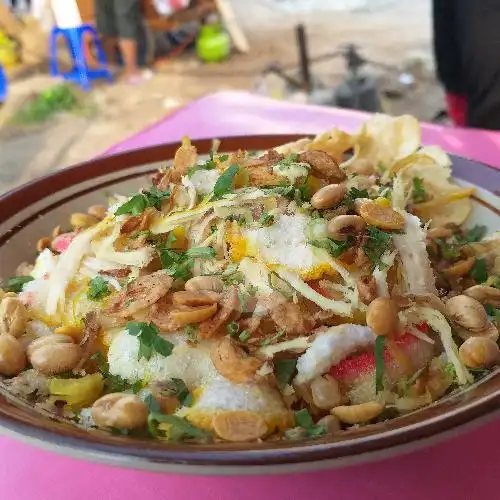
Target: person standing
[(14, 4), (466, 48), (119, 22)]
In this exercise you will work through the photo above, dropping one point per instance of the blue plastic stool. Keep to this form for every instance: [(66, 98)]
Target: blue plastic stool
[(81, 73), (3, 85)]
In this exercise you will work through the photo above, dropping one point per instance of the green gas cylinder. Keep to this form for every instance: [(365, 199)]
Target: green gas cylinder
[(213, 43)]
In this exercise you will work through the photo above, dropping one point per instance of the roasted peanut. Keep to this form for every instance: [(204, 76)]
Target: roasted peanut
[(232, 362), (239, 426), (12, 355), (380, 216), (204, 283), (13, 316), (82, 221), (97, 211), (343, 226), (460, 268), (328, 196), (70, 331), (361, 166), (437, 381), (325, 392), (479, 352), (484, 294), (54, 354), (190, 315), (467, 313), (367, 289), (357, 414), (330, 423), (382, 316), (201, 298), (119, 410), (42, 244)]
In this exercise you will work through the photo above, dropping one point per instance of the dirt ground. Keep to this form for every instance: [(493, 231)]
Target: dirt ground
[(390, 31)]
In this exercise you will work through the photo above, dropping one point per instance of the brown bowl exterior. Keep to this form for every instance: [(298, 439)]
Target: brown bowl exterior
[(31, 211)]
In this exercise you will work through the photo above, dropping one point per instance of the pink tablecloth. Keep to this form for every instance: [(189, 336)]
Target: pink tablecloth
[(463, 468), (239, 113)]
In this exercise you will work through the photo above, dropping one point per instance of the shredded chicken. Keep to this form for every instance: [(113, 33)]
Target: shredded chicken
[(290, 317), (229, 310), (141, 293)]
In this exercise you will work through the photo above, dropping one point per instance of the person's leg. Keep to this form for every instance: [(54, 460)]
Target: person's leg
[(128, 22), (479, 38), (106, 26)]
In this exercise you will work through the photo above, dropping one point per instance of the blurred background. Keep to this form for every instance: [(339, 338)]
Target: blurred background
[(364, 54)]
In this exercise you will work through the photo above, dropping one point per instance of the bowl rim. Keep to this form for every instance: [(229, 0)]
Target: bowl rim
[(287, 454)]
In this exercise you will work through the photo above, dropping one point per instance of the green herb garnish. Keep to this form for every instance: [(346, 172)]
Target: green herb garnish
[(16, 283), (191, 331), (304, 190), (244, 336), (266, 219), (210, 164), (114, 383), (275, 337), (288, 160), (139, 202), (353, 195), (493, 313), (449, 370), (231, 275), (179, 428), (379, 363), (303, 419), (333, 247), (149, 340), (241, 220), (224, 183), (479, 373), (449, 251), (233, 328), (285, 370), (98, 289), (376, 245), (479, 271), (285, 191), (477, 233), (148, 398), (419, 192), (180, 264)]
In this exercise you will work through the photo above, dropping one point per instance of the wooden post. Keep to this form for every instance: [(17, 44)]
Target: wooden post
[(235, 32)]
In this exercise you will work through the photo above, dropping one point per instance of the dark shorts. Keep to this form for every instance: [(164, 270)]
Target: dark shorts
[(119, 18)]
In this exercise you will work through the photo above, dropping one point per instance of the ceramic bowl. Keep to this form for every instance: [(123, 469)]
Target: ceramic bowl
[(31, 211)]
